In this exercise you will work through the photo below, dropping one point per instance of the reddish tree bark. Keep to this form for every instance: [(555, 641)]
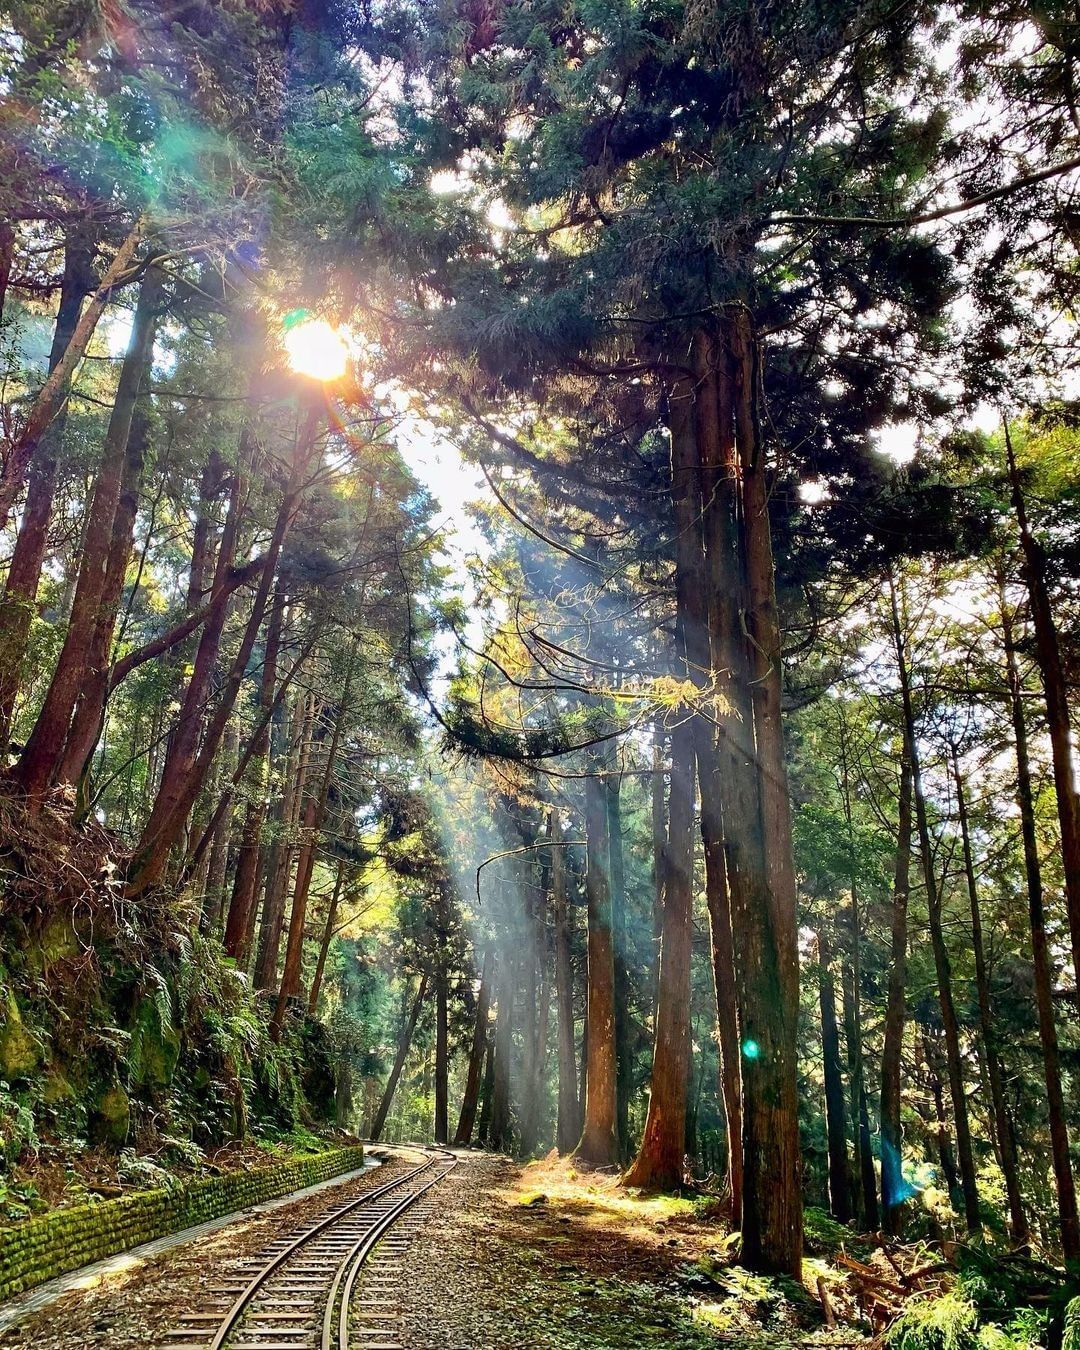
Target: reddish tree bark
[(481, 1036), (41, 756), (24, 571), (54, 392), (568, 1122), (659, 1161), (242, 904), (599, 1145), (177, 791)]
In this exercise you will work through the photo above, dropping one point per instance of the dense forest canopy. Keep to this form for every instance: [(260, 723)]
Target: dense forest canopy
[(701, 799)]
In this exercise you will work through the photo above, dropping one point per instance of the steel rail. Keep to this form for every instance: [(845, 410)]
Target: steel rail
[(230, 1318), (355, 1258)]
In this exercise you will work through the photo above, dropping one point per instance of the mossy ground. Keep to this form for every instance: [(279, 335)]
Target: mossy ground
[(606, 1266)]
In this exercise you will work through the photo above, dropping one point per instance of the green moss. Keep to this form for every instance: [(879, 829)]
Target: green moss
[(58, 940), (20, 1051), (41, 1248), (57, 1088), (112, 1119)]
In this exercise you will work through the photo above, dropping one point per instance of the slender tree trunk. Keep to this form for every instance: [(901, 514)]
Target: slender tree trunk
[(1002, 1120), (279, 861), (852, 995), (599, 1145), (218, 864), (500, 1134), (481, 1036), (404, 1041), (442, 1058), (487, 1093), (941, 1117), (41, 756), (835, 1122), (53, 394), (894, 1189), (314, 817), (659, 1162), (617, 874), (1068, 1216), (659, 842), (568, 1123), (242, 904), (722, 950), (7, 254), (1056, 693), (327, 938), (942, 964), (160, 834), (24, 570)]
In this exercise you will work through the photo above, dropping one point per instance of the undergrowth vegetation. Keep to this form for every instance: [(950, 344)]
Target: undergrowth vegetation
[(131, 1047)]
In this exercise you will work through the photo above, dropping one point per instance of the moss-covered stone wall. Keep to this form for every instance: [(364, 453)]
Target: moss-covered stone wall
[(66, 1239)]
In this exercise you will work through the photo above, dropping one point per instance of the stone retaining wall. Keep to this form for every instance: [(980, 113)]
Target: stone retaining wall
[(52, 1244)]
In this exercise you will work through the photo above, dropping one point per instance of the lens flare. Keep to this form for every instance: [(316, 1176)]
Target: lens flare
[(751, 1049), (316, 348)]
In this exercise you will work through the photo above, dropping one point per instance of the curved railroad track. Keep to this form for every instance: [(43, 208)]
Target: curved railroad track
[(302, 1292)]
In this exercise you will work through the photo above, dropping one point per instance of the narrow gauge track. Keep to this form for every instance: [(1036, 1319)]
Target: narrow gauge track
[(299, 1293)]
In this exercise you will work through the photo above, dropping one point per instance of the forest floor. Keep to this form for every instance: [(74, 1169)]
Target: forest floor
[(552, 1258), (536, 1255)]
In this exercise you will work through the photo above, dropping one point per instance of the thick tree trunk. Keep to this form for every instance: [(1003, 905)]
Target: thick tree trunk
[(41, 756), (1006, 1141), (835, 1111), (942, 964), (481, 1036), (767, 933), (1056, 693), (659, 1162), (24, 570), (894, 1189), (599, 1145), (88, 719), (568, 1121), (404, 1041), (1068, 1216), (54, 392)]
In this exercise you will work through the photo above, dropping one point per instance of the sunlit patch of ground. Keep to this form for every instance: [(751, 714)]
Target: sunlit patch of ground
[(673, 1255)]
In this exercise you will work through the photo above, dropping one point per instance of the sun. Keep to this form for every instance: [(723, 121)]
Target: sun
[(316, 348)]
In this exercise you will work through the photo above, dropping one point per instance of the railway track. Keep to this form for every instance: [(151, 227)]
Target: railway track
[(331, 1285)]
